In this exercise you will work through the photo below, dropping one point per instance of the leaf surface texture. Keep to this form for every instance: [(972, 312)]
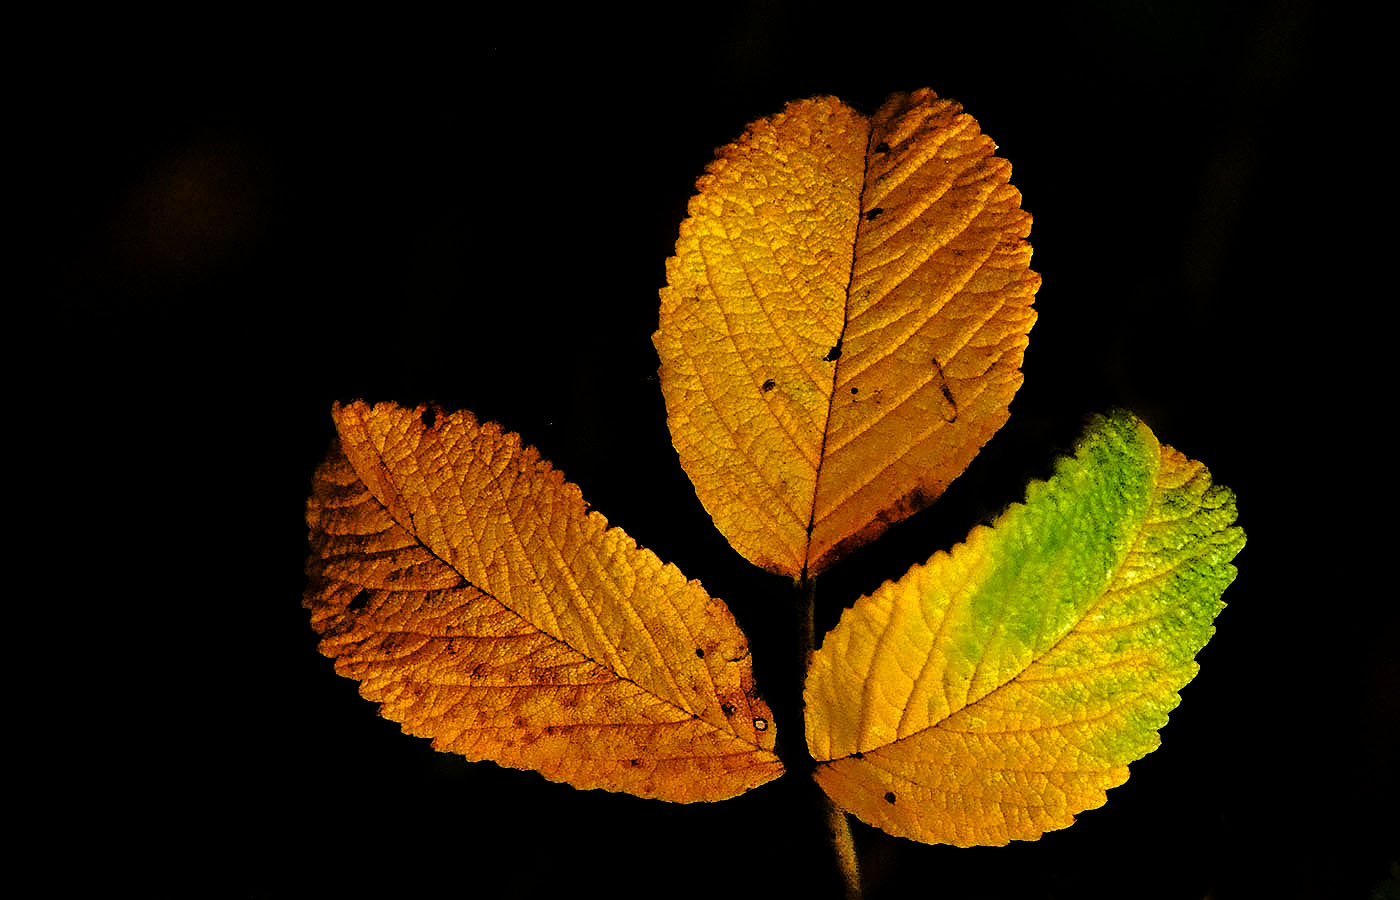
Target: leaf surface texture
[(464, 583), (844, 322), (997, 690)]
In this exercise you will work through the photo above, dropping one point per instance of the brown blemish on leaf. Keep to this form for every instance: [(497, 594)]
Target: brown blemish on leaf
[(914, 500), (947, 394)]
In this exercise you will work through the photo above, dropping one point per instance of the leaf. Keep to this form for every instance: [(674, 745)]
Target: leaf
[(461, 580), (844, 322), (995, 691)]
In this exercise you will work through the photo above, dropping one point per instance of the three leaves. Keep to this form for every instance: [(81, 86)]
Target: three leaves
[(842, 331)]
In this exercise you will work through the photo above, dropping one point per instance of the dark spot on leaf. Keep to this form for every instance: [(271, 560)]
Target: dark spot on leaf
[(429, 417), (873, 214), (947, 394), (760, 724), (882, 147), (727, 708), (636, 762), (358, 602), (769, 385), (889, 797), (700, 653), (834, 353)]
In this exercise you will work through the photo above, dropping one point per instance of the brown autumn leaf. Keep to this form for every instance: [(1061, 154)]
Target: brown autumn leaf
[(844, 322), (463, 582)]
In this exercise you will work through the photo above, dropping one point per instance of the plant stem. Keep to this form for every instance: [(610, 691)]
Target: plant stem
[(838, 826), (807, 623)]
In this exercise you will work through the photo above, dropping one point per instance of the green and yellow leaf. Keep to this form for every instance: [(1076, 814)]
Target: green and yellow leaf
[(463, 582), (844, 322), (996, 691)]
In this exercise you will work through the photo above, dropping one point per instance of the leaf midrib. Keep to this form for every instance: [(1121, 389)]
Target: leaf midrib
[(418, 539)]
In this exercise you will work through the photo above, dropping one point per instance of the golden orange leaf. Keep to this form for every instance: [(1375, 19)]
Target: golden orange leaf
[(844, 322), (464, 583)]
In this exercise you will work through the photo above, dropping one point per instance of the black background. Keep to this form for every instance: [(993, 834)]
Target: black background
[(257, 217)]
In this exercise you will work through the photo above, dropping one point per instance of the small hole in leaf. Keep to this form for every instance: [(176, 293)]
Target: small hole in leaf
[(889, 797), (769, 385), (834, 353), (874, 214), (358, 602), (855, 390), (700, 653), (858, 755), (760, 724), (882, 147), (727, 708)]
